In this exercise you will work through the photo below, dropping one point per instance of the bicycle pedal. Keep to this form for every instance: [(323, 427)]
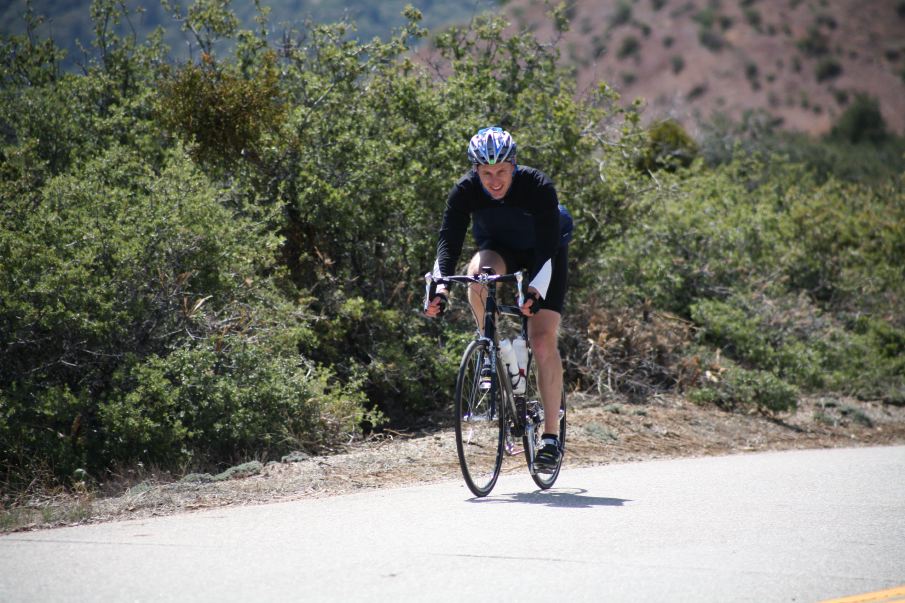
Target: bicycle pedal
[(512, 449)]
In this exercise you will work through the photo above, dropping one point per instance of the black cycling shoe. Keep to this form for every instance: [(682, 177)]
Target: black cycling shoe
[(548, 456)]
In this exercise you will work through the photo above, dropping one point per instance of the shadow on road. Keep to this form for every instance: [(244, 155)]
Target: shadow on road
[(575, 498)]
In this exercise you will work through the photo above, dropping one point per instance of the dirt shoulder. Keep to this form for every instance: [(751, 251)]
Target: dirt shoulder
[(600, 431)]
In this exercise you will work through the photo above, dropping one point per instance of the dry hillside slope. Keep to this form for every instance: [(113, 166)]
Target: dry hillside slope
[(803, 61)]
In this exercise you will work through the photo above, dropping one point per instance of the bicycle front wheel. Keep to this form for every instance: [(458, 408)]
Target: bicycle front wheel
[(479, 422)]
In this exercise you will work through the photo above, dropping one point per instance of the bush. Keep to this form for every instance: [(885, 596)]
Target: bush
[(622, 13), (815, 43), (861, 122), (137, 326), (763, 334), (630, 47), (400, 366), (753, 17), (828, 69), (223, 112), (743, 389), (223, 401), (668, 147), (711, 40)]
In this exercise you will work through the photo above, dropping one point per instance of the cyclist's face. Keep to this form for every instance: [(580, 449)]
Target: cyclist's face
[(496, 178)]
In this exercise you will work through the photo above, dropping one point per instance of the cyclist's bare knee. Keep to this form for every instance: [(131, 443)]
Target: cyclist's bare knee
[(543, 331), (487, 257)]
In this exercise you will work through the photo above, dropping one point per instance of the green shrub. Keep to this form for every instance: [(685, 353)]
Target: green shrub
[(105, 268), (828, 69), (753, 17), (711, 40), (815, 43), (630, 47), (669, 147), (223, 401), (861, 122), (751, 72), (623, 13), (762, 333), (223, 112), (743, 389), (403, 370), (706, 17)]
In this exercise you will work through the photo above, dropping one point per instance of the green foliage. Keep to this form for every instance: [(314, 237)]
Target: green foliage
[(743, 389), (757, 332), (222, 114), (827, 69), (878, 159), (622, 15), (668, 147), (815, 43), (753, 17), (706, 17), (711, 39), (403, 370), (101, 269), (630, 47), (770, 265), (861, 122), (223, 400)]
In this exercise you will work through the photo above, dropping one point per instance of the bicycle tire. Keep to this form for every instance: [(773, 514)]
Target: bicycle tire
[(545, 480), (480, 423)]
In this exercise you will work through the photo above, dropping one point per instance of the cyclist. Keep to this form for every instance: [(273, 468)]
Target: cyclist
[(517, 222)]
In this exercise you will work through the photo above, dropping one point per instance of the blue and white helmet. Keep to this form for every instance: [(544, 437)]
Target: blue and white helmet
[(491, 146)]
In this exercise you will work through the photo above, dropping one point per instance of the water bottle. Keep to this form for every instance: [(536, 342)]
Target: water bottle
[(520, 347), (510, 360)]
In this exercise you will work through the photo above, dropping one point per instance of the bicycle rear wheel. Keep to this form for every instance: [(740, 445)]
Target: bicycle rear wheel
[(535, 411), (479, 423)]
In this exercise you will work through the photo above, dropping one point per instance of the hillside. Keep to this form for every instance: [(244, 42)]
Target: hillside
[(803, 61)]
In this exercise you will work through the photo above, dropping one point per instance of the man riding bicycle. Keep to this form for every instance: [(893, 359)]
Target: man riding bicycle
[(517, 222)]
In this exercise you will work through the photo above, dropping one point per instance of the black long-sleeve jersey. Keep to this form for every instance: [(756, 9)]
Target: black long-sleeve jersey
[(529, 217)]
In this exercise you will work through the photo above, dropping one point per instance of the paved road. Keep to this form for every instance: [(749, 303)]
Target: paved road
[(796, 526)]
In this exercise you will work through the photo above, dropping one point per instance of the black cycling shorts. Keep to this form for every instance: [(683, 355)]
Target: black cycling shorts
[(521, 260)]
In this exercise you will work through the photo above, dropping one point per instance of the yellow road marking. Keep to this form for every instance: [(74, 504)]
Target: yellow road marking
[(893, 595)]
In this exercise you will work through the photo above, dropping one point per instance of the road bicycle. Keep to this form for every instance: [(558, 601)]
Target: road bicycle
[(490, 417)]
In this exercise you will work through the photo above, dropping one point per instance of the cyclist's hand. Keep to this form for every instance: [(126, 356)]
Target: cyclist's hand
[(437, 305), (532, 302)]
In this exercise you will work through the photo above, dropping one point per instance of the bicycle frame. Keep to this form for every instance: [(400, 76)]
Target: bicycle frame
[(515, 416)]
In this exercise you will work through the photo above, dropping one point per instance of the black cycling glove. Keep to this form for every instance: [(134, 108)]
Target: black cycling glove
[(536, 305)]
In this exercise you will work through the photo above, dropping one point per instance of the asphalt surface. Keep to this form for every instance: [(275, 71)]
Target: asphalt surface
[(792, 526)]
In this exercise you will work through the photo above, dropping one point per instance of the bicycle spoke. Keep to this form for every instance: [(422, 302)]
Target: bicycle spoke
[(479, 435)]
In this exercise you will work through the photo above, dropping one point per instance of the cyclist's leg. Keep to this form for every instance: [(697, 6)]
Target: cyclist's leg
[(476, 293), (543, 331)]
